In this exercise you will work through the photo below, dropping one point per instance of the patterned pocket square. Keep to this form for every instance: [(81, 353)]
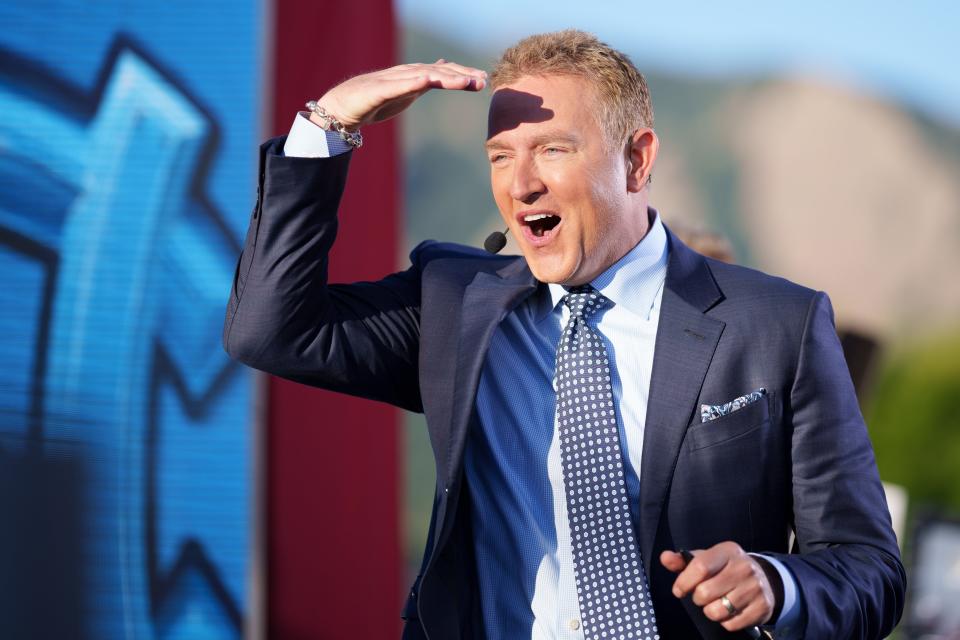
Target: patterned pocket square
[(710, 412)]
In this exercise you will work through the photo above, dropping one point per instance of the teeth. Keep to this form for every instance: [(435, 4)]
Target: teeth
[(536, 216)]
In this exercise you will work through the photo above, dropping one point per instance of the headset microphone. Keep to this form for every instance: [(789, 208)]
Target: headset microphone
[(496, 241)]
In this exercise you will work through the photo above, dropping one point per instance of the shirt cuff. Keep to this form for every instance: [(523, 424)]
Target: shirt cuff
[(308, 140), (788, 624)]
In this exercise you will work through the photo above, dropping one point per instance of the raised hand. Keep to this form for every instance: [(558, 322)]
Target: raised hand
[(380, 95)]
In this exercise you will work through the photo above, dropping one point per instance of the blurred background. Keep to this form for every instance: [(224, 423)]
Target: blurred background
[(150, 488)]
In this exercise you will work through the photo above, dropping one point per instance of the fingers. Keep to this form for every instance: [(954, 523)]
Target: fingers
[(704, 565), (736, 571), (753, 615), (449, 75), (376, 96), (470, 71), (673, 561), (441, 66), (750, 608), (724, 570), (403, 85), (438, 79)]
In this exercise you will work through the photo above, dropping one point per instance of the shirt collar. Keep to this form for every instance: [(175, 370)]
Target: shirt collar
[(633, 281)]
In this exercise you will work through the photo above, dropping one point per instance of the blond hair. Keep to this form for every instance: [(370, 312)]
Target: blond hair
[(621, 91)]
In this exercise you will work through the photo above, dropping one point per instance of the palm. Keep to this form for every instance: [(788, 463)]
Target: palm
[(381, 95)]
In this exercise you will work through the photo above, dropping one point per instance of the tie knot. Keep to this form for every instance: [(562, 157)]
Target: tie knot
[(584, 301)]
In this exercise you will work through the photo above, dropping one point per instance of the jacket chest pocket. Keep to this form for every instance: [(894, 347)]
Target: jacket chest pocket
[(737, 424)]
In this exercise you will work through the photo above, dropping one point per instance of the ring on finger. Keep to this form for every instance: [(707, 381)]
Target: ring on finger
[(725, 601)]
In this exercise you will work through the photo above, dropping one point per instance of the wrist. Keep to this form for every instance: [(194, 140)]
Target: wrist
[(776, 585), (331, 108), (320, 116), (317, 120)]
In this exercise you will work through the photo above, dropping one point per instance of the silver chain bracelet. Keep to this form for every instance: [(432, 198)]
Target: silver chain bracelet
[(352, 138)]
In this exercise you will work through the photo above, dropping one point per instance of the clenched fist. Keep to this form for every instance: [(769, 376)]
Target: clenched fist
[(722, 578)]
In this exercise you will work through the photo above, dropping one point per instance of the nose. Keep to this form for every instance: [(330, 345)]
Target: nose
[(526, 185)]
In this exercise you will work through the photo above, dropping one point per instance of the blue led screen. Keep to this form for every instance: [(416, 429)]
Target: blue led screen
[(127, 150)]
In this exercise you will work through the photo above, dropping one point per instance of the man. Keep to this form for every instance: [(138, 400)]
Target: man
[(595, 406)]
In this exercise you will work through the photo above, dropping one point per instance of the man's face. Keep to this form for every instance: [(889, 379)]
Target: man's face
[(560, 188)]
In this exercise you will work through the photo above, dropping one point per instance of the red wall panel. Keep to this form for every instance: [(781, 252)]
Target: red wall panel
[(333, 483)]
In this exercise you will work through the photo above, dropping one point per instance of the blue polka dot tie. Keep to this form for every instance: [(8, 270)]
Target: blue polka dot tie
[(611, 584)]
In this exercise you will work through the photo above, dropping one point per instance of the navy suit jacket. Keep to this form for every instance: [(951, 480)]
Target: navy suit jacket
[(798, 460)]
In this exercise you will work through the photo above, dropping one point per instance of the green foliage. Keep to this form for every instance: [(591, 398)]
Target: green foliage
[(442, 207), (915, 425)]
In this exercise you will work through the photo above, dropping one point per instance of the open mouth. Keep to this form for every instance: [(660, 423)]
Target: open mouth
[(541, 223)]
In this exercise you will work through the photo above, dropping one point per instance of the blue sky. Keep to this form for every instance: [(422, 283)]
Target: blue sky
[(909, 51)]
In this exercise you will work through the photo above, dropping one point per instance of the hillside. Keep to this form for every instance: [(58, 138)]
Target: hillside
[(809, 180)]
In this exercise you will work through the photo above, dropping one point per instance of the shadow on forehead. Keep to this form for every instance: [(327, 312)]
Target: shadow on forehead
[(511, 108)]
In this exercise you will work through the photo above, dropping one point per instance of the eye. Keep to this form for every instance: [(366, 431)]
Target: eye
[(498, 158), (552, 151)]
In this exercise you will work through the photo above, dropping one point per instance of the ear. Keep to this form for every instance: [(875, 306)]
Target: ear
[(642, 150)]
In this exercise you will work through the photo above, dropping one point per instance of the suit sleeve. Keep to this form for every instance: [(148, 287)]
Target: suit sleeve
[(284, 318), (848, 570)]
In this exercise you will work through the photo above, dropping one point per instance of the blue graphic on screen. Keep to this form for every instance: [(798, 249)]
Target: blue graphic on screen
[(125, 431)]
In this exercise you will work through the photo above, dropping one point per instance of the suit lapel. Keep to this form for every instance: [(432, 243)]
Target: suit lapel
[(486, 302), (685, 344), (686, 341)]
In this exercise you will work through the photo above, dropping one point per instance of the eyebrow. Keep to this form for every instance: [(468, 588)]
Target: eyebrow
[(538, 140)]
